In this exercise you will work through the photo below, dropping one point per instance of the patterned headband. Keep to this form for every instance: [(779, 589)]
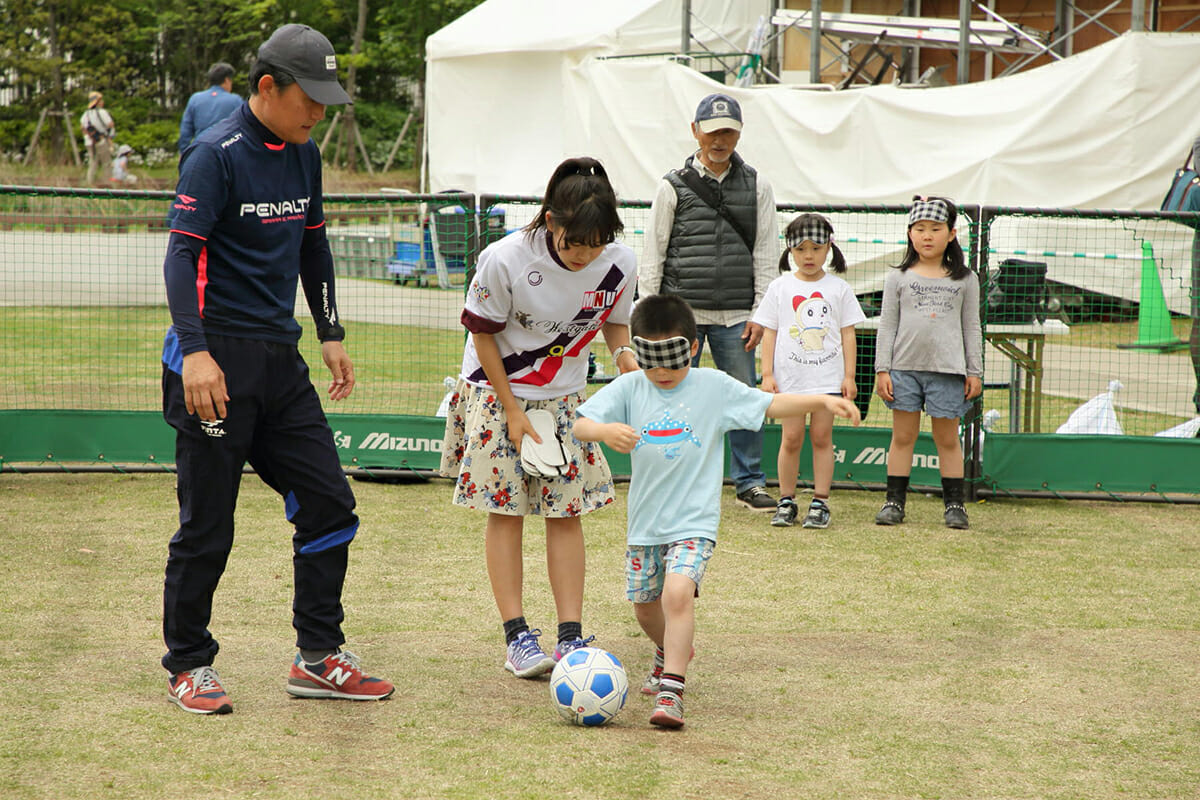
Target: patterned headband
[(813, 228), (673, 353), (934, 209)]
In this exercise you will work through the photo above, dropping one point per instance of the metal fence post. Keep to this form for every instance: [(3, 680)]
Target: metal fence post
[(977, 259)]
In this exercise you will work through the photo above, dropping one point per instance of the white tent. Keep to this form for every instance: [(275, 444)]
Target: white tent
[(515, 86), (502, 105)]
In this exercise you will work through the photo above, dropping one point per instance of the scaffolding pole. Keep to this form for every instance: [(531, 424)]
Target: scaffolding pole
[(964, 39)]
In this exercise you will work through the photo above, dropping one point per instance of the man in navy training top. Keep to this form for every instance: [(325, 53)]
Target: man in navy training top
[(247, 221), (209, 106)]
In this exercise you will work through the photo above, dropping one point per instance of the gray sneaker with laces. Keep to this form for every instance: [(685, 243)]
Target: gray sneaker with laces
[(668, 710), (525, 656), (562, 648), (818, 515), (653, 681), (785, 513)]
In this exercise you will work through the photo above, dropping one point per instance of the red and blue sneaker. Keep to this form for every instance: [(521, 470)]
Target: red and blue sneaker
[(198, 691), (337, 676)]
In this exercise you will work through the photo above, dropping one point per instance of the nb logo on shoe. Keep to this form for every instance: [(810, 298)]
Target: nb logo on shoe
[(339, 676)]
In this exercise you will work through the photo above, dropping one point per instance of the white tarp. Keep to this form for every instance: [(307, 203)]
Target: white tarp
[(516, 85), (499, 97), (1103, 129)]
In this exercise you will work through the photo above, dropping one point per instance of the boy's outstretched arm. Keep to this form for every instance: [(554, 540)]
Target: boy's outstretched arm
[(796, 405), (617, 435)]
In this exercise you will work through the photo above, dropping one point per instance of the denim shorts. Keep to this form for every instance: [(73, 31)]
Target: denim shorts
[(936, 393), (647, 566)]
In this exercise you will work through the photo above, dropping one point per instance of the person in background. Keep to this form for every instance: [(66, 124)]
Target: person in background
[(98, 131), (711, 239), (930, 354), (120, 167), (208, 107), (808, 347), (248, 223)]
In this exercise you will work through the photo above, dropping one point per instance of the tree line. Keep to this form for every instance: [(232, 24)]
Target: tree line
[(148, 57)]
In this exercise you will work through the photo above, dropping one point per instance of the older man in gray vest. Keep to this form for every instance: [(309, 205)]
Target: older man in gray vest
[(712, 239)]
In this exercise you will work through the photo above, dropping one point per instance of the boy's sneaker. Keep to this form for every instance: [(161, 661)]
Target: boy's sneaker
[(956, 516), (785, 513), (892, 513), (562, 648), (756, 499), (668, 710), (525, 656), (199, 691), (818, 515), (653, 680), (337, 676)]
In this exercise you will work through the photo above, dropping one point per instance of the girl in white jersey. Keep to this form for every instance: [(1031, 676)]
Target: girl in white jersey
[(538, 298), (929, 354), (808, 347)]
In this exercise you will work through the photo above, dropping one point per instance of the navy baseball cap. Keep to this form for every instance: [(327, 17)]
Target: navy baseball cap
[(308, 56), (718, 111)]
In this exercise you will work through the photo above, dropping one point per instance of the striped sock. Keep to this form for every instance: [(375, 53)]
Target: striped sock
[(672, 683)]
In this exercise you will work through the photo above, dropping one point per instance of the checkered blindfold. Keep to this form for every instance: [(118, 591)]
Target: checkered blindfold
[(812, 228), (933, 209), (673, 353)]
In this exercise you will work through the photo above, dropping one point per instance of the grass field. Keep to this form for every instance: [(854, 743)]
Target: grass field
[(400, 368), (1050, 652)]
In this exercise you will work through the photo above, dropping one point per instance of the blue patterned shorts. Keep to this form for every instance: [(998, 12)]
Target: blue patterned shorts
[(647, 566)]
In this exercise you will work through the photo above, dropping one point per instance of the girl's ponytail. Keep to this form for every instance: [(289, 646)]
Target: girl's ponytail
[(581, 204), (837, 262), (785, 262)]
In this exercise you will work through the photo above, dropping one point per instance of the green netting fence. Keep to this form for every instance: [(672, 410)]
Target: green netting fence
[(1088, 317)]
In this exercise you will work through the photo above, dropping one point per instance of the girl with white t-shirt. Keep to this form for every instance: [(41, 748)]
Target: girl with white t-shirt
[(538, 298), (808, 347)]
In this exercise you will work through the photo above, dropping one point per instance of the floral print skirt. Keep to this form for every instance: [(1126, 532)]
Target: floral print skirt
[(479, 455)]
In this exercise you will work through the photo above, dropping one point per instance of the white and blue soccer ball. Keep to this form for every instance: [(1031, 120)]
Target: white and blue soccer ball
[(589, 686)]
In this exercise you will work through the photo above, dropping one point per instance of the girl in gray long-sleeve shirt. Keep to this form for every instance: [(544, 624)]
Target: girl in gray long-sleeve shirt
[(929, 354)]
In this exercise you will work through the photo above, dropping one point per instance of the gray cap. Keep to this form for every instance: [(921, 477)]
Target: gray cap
[(309, 57), (718, 111)]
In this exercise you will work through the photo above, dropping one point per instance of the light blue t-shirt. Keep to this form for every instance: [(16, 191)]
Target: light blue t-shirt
[(679, 461)]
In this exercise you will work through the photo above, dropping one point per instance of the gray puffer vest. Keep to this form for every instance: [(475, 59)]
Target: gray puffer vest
[(708, 264)]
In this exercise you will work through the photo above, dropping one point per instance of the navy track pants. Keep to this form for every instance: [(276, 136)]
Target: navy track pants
[(275, 422)]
